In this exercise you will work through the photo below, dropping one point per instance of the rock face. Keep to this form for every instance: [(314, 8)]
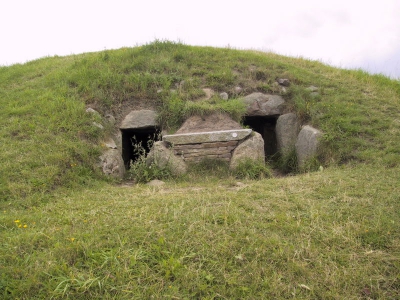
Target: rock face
[(252, 148), (164, 157), (112, 163), (287, 128), (259, 104), (307, 144), (139, 119)]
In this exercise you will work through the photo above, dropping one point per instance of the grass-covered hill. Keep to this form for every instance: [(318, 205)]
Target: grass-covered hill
[(68, 232)]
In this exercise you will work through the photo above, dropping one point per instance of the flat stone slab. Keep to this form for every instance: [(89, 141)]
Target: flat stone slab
[(137, 119), (207, 137)]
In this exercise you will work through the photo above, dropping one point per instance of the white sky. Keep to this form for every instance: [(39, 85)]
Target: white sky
[(346, 33)]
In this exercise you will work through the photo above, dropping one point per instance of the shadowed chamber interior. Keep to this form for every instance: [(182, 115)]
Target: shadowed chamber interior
[(142, 137), (264, 125)]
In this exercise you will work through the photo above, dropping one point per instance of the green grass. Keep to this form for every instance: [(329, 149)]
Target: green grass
[(324, 235)]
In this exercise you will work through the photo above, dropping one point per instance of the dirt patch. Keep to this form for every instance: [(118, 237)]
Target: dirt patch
[(213, 122)]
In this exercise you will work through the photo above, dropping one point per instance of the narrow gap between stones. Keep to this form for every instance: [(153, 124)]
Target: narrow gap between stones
[(143, 137), (264, 125)]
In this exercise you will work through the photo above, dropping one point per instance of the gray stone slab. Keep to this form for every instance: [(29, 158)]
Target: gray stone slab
[(139, 119), (206, 137), (307, 143)]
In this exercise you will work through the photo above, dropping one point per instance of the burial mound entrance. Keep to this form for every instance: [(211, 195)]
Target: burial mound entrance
[(264, 125), (133, 139)]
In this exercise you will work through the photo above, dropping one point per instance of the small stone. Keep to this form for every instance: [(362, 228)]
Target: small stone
[(110, 119), (156, 182), (110, 144), (312, 88), (98, 125), (209, 93), (238, 89), (92, 111), (224, 96), (284, 81)]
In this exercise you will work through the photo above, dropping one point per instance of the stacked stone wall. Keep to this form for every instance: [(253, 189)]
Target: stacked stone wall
[(200, 151)]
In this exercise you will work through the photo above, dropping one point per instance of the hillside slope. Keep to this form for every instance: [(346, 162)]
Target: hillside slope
[(67, 232), (47, 140)]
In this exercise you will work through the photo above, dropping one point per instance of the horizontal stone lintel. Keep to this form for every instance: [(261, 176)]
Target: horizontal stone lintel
[(232, 144), (207, 137)]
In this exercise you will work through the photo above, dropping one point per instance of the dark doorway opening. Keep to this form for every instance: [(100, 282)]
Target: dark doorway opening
[(264, 125), (134, 138)]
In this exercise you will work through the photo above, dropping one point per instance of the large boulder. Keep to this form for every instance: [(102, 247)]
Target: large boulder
[(112, 164), (286, 129), (251, 148), (259, 104), (164, 157), (213, 122), (307, 144), (140, 119)]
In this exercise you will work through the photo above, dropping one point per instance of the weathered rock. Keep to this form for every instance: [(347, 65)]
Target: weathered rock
[(286, 129), (252, 148), (140, 119), (259, 104), (307, 144), (224, 96), (284, 81), (112, 163), (207, 137), (164, 157), (216, 121)]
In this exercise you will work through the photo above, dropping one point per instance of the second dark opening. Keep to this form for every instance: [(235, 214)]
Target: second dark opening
[(142, 137), (264, 125)]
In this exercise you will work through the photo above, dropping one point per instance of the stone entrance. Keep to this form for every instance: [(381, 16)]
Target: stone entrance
[(138, 128), (264, 125), (133, 138)]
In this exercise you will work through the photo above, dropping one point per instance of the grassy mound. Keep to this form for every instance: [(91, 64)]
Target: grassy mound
[(69, 233)]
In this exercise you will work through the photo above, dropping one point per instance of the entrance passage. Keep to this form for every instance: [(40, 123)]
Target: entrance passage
[(136, 142), (264, 125)]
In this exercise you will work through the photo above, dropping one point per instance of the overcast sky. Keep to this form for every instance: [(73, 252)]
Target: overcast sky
[(346, 33)]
